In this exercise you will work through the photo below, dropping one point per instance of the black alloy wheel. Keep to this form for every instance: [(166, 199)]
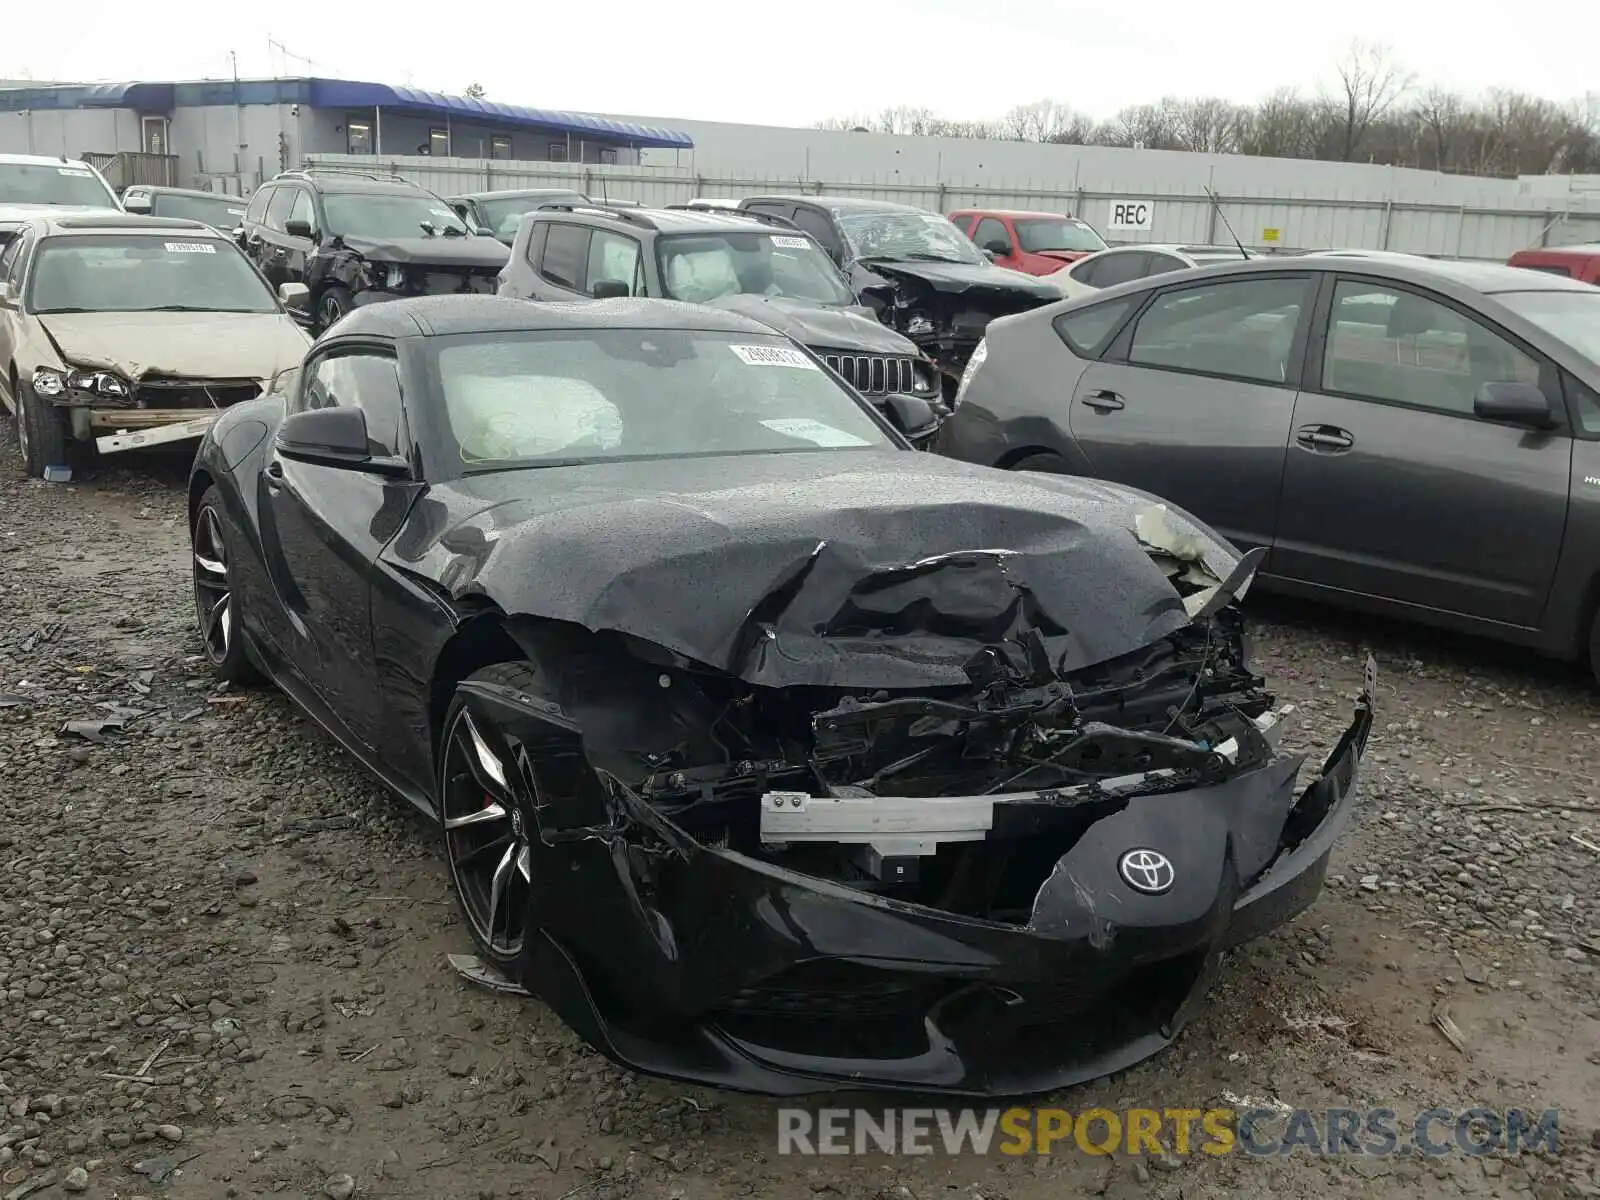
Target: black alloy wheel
[(486, 814), (335, 303), (215, 608)]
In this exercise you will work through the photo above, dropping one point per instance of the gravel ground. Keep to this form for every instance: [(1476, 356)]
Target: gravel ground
[(222, 948)]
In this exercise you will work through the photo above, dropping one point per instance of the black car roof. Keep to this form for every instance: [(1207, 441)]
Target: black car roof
[(443, 315), (843, 204), (513, 194), (351, 181)]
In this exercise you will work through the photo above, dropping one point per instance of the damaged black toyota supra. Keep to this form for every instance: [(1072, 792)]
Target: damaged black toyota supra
[(768, 752)]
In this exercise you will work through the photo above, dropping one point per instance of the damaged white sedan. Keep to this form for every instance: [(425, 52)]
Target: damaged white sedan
[(120, 331)]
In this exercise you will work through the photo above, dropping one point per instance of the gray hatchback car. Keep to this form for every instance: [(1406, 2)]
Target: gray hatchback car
[(1409, 437)]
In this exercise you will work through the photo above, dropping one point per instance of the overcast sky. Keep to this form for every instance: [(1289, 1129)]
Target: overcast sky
[(766, 63)]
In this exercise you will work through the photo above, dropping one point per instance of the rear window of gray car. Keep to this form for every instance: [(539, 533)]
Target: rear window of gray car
[(1087, 331)]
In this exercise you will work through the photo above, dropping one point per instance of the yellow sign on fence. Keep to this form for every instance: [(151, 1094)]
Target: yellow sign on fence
[(1271, 235)]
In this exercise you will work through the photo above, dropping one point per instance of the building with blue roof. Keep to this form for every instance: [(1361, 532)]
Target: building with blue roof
[(230, 135)]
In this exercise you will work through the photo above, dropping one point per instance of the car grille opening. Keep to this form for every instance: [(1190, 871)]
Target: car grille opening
[(873, 374), (164, 392)]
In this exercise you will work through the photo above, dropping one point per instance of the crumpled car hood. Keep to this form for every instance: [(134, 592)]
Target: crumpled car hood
[(960, 278), (849, 569), (816, 325), (195, 345), (471, 251)]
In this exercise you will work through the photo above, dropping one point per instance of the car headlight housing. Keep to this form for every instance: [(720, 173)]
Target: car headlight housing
[(924, 378), (979, 354), (48, 381)]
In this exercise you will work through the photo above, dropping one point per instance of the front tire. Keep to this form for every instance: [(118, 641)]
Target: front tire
[(216, 607), (487, 821), (331, 308), (41, 431)]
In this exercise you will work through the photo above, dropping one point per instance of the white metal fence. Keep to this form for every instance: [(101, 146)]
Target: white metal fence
[(1265, 221)]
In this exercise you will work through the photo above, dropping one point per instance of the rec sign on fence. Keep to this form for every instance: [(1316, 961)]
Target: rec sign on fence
[(1131, 214)]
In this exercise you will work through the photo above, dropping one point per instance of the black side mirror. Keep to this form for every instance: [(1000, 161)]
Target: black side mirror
[(996, 248), (333, 437), (298, 229), (1518, 403), (911, 415), (609, 289)]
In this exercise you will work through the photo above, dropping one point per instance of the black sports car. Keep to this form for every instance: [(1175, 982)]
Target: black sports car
[(768, 752)]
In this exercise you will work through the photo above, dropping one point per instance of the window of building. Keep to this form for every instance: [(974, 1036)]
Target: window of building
[(558, 152), (608, 157), (358, 137), (439, 143), (499, 147), (153, 134)]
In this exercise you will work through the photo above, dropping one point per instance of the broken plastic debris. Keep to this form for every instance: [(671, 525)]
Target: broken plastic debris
[(92, 731), (473, 969), (58, 473)]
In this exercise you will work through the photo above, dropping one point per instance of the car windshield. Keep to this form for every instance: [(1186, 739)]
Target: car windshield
[(386, 216), (1574, 316), (571, 397), (48, 183), (907, 234), (223, 212), (1056, 233), (142, 273), (704, 266), (501, 216)]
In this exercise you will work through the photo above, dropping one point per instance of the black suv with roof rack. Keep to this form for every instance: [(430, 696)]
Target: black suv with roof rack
[(915, 269), (760, 266), (354, 238)]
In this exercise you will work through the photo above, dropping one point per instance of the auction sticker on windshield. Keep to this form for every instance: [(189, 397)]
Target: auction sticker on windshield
[(191, 247), (773, 356), (815, 432), (789, 243), (77, 171)]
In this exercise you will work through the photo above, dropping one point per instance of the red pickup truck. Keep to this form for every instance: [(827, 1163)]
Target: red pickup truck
[(1038, 243), (1575, 262)]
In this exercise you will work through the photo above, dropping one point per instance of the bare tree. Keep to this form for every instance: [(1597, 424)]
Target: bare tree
[(1208, 125), (1036, 122), (1370, 81)]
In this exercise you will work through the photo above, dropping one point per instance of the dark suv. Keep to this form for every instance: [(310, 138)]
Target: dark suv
[(762, 267), (915, 269), (355, 239)]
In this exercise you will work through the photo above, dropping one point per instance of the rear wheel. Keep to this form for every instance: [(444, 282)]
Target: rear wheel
[(41, 431), (486, 815)]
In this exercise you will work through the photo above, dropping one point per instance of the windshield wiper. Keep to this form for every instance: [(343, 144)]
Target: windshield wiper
[(191, 308)]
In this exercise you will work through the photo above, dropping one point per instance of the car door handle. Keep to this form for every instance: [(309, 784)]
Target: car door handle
[(1324, 439), (274, 475), (1103, 401)]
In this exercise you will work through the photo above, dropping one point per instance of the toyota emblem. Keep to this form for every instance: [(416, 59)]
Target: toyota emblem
[(1147, 871)]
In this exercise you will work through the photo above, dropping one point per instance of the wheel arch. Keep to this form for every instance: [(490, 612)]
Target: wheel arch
[(481, 640), (1012, 457), (199, 481)]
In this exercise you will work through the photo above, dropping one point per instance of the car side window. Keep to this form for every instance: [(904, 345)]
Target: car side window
[(566, 255), (8, 259), (963, 223), (302, 210), (1087, 272), (1087, 331), (17, 265), (613, 256), (1120, 268), (257, 210), (991, 230), (1239, 329), (364, 379), (1588, 405), (1160, 264), (818, 226), (1385, 343), (278, 207)]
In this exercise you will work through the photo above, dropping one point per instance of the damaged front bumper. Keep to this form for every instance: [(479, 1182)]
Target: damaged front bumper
[(685, 959)]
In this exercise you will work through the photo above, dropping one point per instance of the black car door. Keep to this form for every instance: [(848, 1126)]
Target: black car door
[(1394, 488), (323, 526), (270, 244), (298, 249)]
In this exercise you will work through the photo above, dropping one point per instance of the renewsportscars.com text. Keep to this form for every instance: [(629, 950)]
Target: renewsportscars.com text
[(1380, 1132)]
